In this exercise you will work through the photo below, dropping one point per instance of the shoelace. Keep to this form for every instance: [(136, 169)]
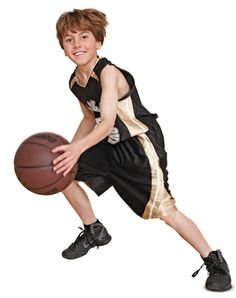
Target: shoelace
[(80, 235), (87, 235), (212, 267), (196, 272)]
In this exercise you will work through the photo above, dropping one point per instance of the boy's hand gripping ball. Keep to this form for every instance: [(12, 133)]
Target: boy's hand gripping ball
[(34, 164)]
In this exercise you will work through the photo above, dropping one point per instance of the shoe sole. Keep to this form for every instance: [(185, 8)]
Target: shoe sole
[(76, 257), (220, 290)]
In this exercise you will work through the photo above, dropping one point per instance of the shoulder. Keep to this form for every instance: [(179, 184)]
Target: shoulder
[(109, 73), (112, 75), (109, 70), (109, 77)]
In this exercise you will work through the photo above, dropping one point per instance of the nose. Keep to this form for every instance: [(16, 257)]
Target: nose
[(76, 43)]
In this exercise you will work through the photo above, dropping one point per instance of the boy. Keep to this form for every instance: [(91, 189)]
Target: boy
[(118, 143)]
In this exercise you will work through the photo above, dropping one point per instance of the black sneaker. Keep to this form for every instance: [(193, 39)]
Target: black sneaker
[(95, 235), (219, 276)]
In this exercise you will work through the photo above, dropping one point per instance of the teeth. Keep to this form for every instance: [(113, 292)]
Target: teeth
[(79, 53)]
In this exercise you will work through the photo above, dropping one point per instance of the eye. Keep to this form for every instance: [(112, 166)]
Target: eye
[(85, 36), (68, 39)]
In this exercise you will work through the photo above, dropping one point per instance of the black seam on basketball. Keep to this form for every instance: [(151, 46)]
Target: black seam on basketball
[(38, 144), (35, 189), (63, 139), (33, 167), (59, 137)]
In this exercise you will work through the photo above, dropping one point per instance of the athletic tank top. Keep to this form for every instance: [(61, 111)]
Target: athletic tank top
[(132, 117)]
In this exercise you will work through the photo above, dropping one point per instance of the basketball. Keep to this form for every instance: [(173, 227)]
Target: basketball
[(33, 164)]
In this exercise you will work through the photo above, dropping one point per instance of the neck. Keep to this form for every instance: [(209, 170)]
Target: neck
[(84, 71)]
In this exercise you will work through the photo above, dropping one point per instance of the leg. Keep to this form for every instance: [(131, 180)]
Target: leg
[(79, 200), (94, 233), (188, 230), (219, 276)]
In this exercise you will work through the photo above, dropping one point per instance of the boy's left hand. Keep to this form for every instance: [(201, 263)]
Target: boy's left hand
[(65, 162)]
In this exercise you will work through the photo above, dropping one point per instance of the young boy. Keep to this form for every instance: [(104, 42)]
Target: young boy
[(118, 143)]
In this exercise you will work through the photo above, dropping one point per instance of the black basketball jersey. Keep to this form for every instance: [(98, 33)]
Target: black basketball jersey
[(132, 117)]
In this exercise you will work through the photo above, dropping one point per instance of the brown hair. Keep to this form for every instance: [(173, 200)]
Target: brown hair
[(86, 19)]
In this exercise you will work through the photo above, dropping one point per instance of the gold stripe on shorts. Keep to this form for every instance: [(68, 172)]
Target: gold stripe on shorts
[(160, 202), (125, 111)]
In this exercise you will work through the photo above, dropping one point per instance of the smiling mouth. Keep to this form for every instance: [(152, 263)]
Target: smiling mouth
[(79, 53)]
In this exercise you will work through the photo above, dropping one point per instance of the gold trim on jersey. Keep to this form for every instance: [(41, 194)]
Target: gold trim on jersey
[(125, 111), (72, 82), (160, 202), (94, 76)]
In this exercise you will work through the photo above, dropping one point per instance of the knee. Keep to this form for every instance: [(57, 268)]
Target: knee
[(165, 219), (170, 218)]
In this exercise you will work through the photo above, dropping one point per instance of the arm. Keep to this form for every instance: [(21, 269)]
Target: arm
[(86, 125), (108, 110)]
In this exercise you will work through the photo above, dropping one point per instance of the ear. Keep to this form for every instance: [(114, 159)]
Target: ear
[(98, 45)]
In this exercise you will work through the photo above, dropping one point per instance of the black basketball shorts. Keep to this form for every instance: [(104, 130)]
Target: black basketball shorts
[(136, 168)]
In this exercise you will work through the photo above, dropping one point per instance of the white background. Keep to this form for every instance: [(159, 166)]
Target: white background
[(182, 54)]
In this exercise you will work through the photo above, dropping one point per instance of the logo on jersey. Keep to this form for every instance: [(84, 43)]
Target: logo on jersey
[(114, 136), (92, 105)]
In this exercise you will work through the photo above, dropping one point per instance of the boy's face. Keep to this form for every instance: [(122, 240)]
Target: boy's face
[(80, 46)]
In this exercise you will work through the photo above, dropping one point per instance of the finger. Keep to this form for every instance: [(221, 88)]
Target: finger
[(64, 169), (59, 149), (67, 171), (69, 168), (61, 166), (60, 158)]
